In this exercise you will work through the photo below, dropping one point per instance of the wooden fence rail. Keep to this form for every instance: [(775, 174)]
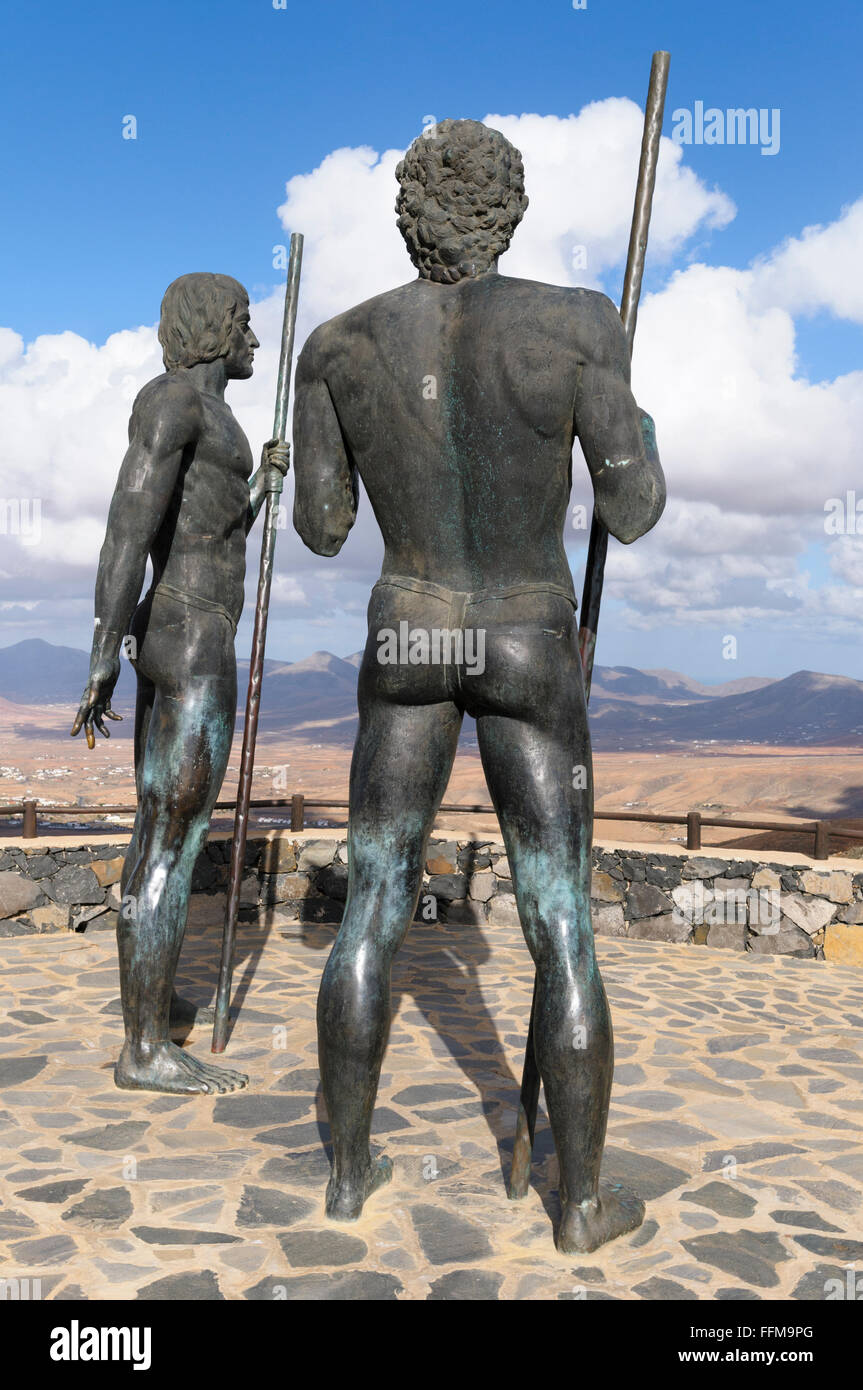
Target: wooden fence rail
[(823, 831)]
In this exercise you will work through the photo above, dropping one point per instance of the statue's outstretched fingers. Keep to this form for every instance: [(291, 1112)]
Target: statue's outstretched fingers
[(81, 716)]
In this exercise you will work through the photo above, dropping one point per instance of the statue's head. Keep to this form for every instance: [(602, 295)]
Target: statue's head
[(461, 198), (204, 317)]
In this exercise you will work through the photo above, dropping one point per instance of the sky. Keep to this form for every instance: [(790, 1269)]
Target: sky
[(253, 119)]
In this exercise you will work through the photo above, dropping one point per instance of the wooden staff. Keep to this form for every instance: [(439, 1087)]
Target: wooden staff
[(256, 665), (596, 551)]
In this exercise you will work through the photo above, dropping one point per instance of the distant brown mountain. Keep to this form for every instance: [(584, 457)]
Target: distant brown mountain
[(630, 709), (804, 709), (628, 683)]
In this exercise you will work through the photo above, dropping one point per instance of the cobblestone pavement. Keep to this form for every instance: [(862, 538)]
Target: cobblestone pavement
[(736, 1116)]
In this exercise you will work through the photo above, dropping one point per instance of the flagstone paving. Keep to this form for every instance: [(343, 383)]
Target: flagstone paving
[(736, 1115)]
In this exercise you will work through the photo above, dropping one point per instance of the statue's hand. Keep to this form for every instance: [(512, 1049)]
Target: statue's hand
[(276, 453), (95, 704)]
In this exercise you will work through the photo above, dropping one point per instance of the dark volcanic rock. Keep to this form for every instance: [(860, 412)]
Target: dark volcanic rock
[(193, 1287), (648, 1177), (477, 1285), (255, 1111), (448, 1239), (74, 883), (839, 1247), (109, 1207), (173, 1235), (345, 1287), (268, 1206), (319, 1248), (748, 1153), (647, 900), (829, 1283), (110, 1137), (748, 1255), (663, 1289), (15, 1070), (53, 1191), (792, 1217), (722, 1198)]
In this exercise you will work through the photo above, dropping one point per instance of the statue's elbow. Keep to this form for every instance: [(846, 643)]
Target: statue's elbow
[(636, 513), (323, 535), (328, 544)]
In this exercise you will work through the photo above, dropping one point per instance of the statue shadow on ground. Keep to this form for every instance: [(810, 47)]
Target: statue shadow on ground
[(197, 973), (438, 971)]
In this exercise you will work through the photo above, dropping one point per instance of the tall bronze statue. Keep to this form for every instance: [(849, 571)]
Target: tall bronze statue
[(457, 399), (183, 498)]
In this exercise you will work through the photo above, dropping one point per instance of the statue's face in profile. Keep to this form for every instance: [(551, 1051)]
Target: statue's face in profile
[(241, 346)]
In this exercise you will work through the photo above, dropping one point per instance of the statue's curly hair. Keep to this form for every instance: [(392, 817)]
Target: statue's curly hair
[(461, 198), (198, 318)]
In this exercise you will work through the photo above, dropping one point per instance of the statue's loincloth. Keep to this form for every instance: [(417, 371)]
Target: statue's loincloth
[(428, 642), (208, 605), (459, 600)]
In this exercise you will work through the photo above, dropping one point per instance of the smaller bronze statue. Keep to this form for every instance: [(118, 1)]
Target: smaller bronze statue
[(185, 499)]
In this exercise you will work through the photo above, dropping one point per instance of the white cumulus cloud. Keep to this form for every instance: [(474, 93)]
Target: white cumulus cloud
[(751, 448)]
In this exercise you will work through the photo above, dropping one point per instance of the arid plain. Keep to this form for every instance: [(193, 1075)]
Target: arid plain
[(38, 759)]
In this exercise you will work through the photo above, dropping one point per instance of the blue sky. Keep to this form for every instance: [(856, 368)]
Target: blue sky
[(232, 100)]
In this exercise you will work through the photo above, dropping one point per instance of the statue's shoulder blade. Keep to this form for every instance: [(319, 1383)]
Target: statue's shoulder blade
[(167, 413), (333, 334)]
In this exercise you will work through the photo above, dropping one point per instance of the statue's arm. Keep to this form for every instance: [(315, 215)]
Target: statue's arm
[(617, 437), (163, 424), (325, 481)]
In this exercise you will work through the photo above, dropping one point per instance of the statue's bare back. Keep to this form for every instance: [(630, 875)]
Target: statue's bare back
[(472, 430)]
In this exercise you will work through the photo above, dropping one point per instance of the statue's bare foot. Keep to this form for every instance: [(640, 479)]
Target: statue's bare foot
[(346, 1197), (165, 1067), (587, 1225)]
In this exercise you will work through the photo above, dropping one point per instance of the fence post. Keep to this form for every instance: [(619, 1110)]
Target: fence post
[(693, 830), (822, 840), (297, 811), (30, 828)]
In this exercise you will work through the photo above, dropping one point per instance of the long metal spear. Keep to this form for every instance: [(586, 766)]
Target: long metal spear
[(256, 665), (596, 553)]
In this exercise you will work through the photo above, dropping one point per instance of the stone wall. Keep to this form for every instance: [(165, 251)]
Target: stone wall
[(763, 905)]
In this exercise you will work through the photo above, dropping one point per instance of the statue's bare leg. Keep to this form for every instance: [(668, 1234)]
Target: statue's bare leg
[(537, 761), (183, 1011), (401, 764), (190, 662)]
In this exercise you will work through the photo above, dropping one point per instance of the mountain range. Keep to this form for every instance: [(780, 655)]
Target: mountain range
[(630, 708)]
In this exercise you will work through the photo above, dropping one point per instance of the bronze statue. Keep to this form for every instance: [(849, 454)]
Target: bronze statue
[(184, 498), (457, 399)]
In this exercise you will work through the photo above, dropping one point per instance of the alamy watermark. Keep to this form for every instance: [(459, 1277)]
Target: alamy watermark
[(77, 1343), (22, 517), (735, 126), (436, 646), (696, 905), (16, 1288), (844, 515)]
